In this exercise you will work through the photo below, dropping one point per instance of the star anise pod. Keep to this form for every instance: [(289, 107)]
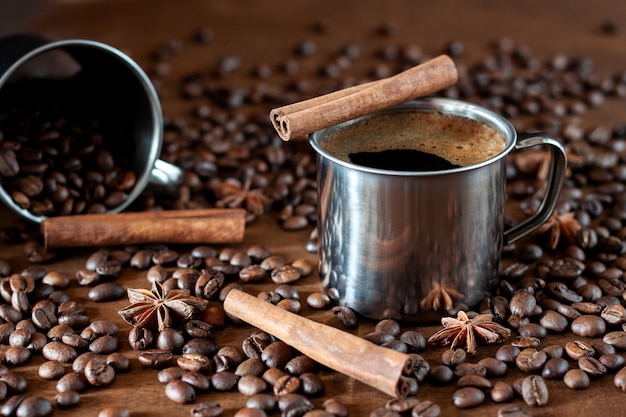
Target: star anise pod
[(560, 226), (234, 196), (463, 330), (440, 297), (158, 307)]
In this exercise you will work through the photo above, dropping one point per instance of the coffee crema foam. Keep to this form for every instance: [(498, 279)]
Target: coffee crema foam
[(459, 140)]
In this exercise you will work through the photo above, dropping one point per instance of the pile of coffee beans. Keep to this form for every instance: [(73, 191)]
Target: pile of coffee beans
[(61, 153)]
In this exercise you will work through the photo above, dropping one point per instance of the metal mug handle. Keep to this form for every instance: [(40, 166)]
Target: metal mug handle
[(556, 176)]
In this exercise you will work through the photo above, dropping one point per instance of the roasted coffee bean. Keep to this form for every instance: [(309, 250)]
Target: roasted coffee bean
[(170, 374), (286, 384), (530, 360), (164, 256), (263, 401), (426, 408), (501, 392), (157, 273), (619, 380), (67, 399), (104, 344), (223, 380), (250, 366), (34, 406), (561, 292), (60, 352), (522, 304), (533, 330), (56, 279), (468, 397), (250, 385), (107, 291), (207, 409), (507, 353), (140, 338), (272, 375), (272, 262), (576, 379), (209, 284), (415, 341), (311, 384), (555, 368), (81, 360), (292, 306), (453, 357), (591, 366), (142, 259), (401, 405), (180, 392), (206, 347), (588, 326), (98, 372), (474, 381), (379, 338), (16, 355), (554, 351), (155, 358), (301, 364), (118, 361), (553, 321), (51, 370), (577, 349), (277, 355), (335, 407), (194, 362), (535, 391), (495, 368), (616, 339), (346, 315), (170, 339), (252, 273), (440, 375), (318, 300), (612, 361), (614, 314), (75, 340), (73, 381), (524, 342), (9, 408)]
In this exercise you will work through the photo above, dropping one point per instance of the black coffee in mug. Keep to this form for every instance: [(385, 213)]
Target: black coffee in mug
[(401, 160), (414, 141)]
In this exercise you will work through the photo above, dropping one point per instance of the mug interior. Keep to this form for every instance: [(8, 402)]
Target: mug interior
[(116, 85), (444, 106)]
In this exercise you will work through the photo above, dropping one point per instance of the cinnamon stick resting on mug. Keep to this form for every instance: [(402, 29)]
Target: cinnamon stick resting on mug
[(299, 119), (385, 369), (172, 226)]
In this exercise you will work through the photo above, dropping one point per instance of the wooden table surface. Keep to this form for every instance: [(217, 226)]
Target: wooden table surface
[(266, 32)]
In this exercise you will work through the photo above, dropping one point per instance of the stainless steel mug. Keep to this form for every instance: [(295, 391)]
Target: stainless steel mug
[(116, 80), (407, 245)]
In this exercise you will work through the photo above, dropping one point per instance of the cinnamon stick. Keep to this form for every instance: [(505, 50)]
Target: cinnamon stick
[(299, 119), (173, 226), (382, 368)]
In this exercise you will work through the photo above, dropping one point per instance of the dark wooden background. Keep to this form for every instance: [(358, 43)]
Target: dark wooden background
[(267, 32)]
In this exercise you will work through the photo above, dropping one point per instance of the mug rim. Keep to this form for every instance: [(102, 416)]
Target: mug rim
[(441, 105)]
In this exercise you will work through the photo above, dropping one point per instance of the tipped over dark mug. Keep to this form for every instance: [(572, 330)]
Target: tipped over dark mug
[(80, 126)]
